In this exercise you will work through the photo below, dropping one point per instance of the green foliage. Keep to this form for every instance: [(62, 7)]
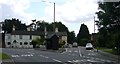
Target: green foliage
[(111, 51), (37, 41), (61, 27), (109, 24), (71, 37), (8, 25), (83, 36), (4, 56), (62, 44)]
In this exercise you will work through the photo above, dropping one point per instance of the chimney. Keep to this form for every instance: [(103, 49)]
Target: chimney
[(29, 28), (13, 28), (45, 30), (56, 29)]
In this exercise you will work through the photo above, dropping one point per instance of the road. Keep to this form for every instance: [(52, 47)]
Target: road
[(70, 56)]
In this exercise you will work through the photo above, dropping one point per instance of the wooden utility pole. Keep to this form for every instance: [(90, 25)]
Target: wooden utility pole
[(54, 17), (94, 24)]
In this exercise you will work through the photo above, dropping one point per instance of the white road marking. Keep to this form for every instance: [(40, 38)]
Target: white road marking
[(46, 57), (43, 56), (26, 55), (66, 49), (22, 55), (31, 55), (80, 53), (76, 61), (57, 60), (15, 56), (70, 61), (75, 51), (91, 60), (91, 54), (63, 52)]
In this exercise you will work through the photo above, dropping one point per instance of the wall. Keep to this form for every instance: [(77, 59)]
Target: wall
[(64, 38), (25, 38), (35, 36)]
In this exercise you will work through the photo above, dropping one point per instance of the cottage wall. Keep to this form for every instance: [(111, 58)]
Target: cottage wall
[(20, 41), (35, 36), (64, 38)]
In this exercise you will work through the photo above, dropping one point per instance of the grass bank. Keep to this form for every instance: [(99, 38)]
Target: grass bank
[(4, 56), (106, 50)]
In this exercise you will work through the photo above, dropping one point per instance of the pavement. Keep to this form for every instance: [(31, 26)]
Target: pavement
[(8, 61), (116, 57)]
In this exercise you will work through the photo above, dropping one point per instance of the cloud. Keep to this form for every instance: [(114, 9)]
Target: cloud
[(74, 11), (15, 9)]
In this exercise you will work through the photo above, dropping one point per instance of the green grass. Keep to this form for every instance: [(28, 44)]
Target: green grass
[(4, 56), (105, 50)]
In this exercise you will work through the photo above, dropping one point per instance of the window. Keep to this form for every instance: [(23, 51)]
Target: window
[(20, 43), (30, 37), (25, 43), (9, 43), (20, 36), (30, 43), (14, 41)]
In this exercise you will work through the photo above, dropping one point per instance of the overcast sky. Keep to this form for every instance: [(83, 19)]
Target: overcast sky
[(72, 13)]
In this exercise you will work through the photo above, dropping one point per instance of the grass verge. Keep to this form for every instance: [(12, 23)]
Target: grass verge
[(4, 56), (105, 50)]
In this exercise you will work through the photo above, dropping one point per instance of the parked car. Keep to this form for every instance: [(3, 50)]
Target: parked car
[(75, 44), (89, 46)]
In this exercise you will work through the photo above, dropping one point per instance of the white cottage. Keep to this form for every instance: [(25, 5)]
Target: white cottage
[(21, 39)]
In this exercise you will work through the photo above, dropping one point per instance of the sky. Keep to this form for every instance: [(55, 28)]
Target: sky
[(71, 13)]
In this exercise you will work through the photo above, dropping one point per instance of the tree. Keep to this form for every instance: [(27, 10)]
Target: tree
[(71, 37), (37, 41), (83, 36), (61, 27), (42, 25), (109, 20), (9, 23)]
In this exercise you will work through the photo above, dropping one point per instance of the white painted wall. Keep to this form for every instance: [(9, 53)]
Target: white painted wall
[(7, 36), (64, 38), (25, 38), (35, 36)]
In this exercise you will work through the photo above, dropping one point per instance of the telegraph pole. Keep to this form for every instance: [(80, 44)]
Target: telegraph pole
[(94, 24), (53, 14), (54, 17)]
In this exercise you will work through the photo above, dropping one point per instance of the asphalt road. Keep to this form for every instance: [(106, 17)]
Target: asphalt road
[(70, 56)]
